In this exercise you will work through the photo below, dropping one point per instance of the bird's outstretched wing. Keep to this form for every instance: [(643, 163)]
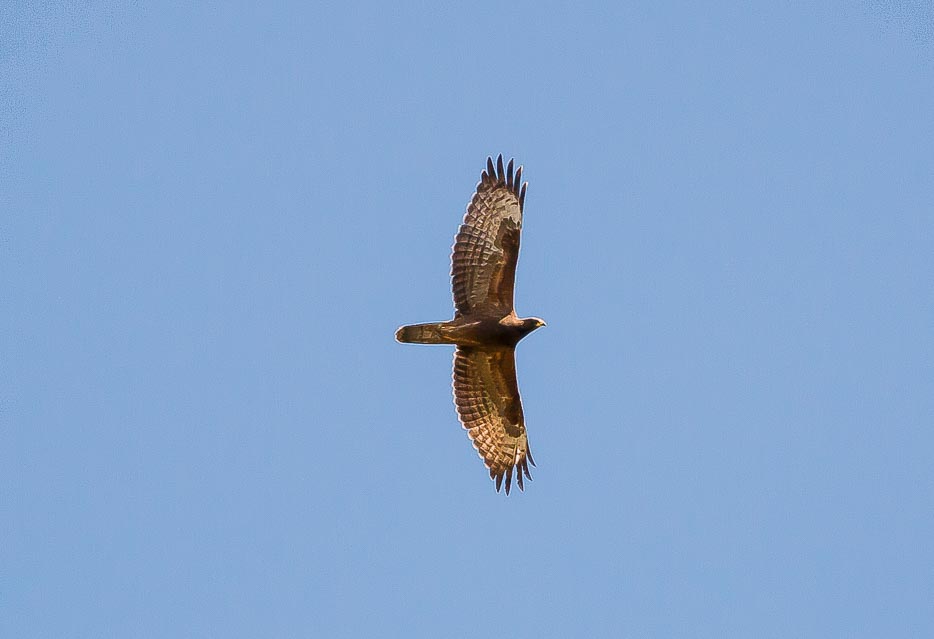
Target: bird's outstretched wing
[(486, 247), (486, 394)]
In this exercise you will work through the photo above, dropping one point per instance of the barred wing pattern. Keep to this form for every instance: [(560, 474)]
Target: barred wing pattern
[(486, 248), (486, 394)]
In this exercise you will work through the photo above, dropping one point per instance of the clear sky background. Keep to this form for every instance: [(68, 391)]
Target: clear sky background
[(212, 220)]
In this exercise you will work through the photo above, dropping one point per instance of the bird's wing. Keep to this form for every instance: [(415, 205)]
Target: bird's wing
[(486, 394), (486, 248)]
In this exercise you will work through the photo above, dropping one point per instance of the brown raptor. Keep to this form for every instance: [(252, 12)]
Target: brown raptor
[(485, 328)]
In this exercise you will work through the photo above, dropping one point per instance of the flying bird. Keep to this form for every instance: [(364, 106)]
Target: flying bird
[(485, 328)]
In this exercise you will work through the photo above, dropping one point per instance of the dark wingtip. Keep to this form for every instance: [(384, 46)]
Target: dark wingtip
[(521, 472), (496, 174)]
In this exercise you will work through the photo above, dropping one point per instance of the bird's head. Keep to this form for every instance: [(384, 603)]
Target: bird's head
[(531, 323)]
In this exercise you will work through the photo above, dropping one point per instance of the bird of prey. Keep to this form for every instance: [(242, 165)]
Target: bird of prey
[(485, 328)]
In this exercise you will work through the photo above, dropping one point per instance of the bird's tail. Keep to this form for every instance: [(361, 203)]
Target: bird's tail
[(433, 333)]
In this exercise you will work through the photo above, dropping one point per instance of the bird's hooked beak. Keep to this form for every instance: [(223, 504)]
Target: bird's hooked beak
[(539, 323)]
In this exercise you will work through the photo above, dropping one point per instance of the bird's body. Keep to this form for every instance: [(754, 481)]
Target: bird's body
[(485, 328), (468, 331)]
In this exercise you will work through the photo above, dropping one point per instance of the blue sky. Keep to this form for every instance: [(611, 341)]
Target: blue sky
[(213, 220)]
